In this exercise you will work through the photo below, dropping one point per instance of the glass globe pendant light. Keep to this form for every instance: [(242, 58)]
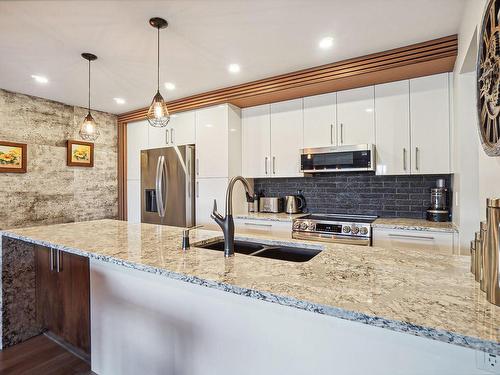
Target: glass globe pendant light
[(88, 129), (158, 115)]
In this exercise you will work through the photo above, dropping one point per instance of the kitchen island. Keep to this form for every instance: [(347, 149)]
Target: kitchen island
[(428, 303)]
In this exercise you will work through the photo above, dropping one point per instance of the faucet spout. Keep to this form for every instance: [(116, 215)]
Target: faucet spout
[(227, 223)]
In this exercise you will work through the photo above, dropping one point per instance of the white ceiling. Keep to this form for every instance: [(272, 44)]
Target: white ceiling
[(266, 37)]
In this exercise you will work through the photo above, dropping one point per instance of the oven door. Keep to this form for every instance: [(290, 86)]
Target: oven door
[(336, 159), (332, 238)]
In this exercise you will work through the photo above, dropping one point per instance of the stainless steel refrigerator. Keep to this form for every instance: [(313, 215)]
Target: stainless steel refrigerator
[(167, 186)]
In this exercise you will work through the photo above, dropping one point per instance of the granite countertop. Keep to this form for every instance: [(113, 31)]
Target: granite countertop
[(282, 216), (415, 292), (413, 224)]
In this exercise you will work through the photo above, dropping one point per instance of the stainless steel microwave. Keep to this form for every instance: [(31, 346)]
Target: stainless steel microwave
[(338, 159)]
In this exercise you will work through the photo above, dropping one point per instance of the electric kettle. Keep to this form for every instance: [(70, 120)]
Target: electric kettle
[(294, 204)]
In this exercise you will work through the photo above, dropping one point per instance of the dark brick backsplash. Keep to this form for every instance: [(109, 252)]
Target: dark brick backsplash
[(358, 193)]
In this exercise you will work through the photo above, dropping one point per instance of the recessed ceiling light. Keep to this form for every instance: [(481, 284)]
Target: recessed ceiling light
[(119, 100), (169, 86), (326, 42), (40, 79), (233, 68)]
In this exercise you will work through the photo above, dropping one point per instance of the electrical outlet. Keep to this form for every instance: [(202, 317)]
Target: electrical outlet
[(488, 362)]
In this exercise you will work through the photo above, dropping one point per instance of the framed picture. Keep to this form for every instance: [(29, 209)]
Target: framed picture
[(80, 154), (13, 157)]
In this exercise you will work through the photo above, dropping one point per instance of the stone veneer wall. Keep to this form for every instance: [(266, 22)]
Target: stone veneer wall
[(358, 193), (51, 192)]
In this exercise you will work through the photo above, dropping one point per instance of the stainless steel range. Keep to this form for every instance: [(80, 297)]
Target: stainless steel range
[(339, 228)]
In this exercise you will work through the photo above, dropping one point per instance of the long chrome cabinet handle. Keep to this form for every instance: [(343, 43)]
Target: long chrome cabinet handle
[(341, 133), (417, 157), (197, 166), (411, 236), (51, 259), (404, 159), (197, 189), (331, 134), (172, 135), (166, 136), (274, 164), (58, 261), (265, 164), (259, 225)]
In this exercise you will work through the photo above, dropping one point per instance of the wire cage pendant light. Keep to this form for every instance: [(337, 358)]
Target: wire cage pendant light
[(158, 115), (88, 129)]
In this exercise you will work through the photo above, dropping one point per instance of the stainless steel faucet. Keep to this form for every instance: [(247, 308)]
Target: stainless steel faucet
[(227, 223)]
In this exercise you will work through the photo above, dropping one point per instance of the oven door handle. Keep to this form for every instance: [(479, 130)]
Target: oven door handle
[(332, 238)]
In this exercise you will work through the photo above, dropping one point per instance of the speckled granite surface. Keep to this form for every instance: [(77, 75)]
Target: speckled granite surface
[(413, 224), (420, 293), (269, 216)]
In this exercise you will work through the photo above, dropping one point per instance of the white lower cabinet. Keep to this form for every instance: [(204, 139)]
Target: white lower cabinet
[(282, 229), (134, 201), (438, 242)]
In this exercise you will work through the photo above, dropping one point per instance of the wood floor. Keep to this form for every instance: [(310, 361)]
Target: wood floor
[(41, 356)]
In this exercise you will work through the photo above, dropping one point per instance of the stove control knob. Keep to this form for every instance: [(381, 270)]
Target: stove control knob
[(363, 231), (296, 225), (303, 226), (346, 229), (354, 229)]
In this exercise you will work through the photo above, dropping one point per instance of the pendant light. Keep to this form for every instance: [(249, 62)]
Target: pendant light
[(88, 130), (158, 115)]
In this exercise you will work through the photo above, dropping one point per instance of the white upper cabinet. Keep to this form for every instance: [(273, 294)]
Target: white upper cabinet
[(182, 128), (211, 142), (430, 124), (256, 142), (137, 140), (320, 118), (355, 116), (179, 131), (286, 138), (392, 118)]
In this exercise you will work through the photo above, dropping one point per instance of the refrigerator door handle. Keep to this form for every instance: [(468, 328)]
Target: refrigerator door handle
[(165, 178), (159, 186)]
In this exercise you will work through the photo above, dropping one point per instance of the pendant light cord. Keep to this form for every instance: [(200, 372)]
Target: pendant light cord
[(158, 61), (89, 88)]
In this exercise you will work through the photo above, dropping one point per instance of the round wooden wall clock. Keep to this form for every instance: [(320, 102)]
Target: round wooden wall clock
[(488, 80)]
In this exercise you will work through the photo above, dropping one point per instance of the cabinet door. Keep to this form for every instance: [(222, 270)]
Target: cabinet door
[(355, 116), (320, 116), (63, 296), (256, 145), (392, 115), (212, 142), (182, 128), (208, 189), (49, 308), (134, 201), (74, 280), (137, 140), (158, 137), (430, 124), (286, 138)]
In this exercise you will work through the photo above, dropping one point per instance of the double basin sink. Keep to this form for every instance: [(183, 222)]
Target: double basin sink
[(287, 253)]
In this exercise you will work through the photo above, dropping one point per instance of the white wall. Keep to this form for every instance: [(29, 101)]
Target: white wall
[(477, 176)]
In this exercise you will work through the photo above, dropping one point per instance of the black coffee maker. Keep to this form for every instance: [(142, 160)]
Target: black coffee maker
[(439, 209)]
